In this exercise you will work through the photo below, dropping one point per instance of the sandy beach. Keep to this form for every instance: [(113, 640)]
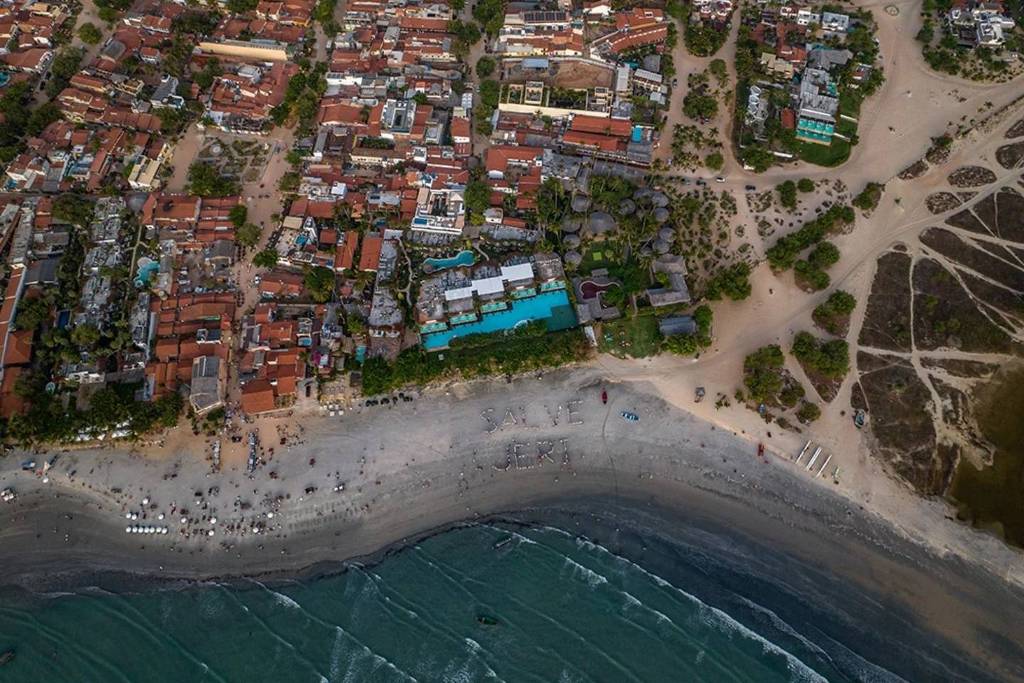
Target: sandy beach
[(471, 451)]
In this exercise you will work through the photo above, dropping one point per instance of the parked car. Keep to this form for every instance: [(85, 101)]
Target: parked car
[(751, 188), (629, 417), (719, 179)]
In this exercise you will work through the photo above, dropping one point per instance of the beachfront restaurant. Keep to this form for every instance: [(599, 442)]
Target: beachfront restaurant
[(498, 302)]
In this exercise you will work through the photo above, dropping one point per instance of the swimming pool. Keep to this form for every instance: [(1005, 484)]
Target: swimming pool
[(5, 78), (147, 268), (463, 258), (552, 307)]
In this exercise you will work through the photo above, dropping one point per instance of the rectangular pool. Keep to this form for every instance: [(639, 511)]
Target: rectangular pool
[(551, 307)]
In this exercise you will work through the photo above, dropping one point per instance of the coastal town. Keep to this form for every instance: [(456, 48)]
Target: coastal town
[(226, 225), (247, 211)]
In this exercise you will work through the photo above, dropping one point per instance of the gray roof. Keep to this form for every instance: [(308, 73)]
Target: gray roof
[(677, 324), (572, 225), (205, 389), (600, 223)]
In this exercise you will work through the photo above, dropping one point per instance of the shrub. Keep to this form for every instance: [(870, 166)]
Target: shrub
[(762, 373), (869, 197), (805, 185), (732, 281), (809, 412), (834, 311), (783, 254), (831, 358), (824, 255), (810, 277), (787, 194), (714, 161)]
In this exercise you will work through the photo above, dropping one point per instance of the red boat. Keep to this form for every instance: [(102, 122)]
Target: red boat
[(604, 396)]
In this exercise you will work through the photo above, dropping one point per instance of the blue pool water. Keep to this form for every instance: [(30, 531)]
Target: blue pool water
[(638, 133), (5, 78), (463, 258), (146, 272), (552, 307)]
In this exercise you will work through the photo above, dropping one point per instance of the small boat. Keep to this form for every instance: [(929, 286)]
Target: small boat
[(760, 450), (604, 396), (6, 657), (502, 543), (486, 620)]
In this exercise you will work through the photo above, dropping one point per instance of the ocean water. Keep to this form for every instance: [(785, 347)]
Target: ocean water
[(476, 603), (496, 601)]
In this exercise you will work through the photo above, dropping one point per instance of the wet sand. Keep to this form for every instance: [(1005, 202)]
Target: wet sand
[(548, 447)]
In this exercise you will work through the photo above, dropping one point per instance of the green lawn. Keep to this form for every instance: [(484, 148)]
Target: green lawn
[(821, 155), (601, 255), (636, 337)]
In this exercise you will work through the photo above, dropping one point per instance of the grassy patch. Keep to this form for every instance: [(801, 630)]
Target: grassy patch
[(636, 337), (820, 155)]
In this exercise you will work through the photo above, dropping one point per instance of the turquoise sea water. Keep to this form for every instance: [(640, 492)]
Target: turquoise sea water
[(565, 610)]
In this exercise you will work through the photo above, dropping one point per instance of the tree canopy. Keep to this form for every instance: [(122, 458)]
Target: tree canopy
[(205, 181), (319, 282), (762, 373)]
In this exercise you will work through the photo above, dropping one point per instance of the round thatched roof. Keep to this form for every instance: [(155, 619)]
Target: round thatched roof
[(667, 234), (573, 258), (600, 223), (661, 215), (659, 199), (572, 224), (580, 203), (627, 207), (571, 241)]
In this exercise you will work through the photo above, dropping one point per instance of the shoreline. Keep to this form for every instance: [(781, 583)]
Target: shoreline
[(430, 466)]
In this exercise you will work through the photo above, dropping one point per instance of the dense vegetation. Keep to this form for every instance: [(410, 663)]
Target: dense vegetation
[(689, 344), (205, 181), (319, 282), (830, 359), (869, 197), (784, 253), (732, 281), (787, 194), (834, 314), (48, 420), (526, 348), (762, 373), (810, 274)]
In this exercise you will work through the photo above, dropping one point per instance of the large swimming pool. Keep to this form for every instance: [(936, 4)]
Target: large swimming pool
[(463, 258), (552, 307)]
